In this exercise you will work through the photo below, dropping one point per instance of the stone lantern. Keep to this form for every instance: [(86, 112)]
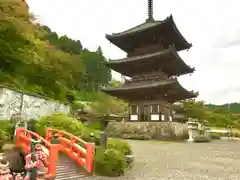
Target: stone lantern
[(103, 135), (206, 129), (193, 130)]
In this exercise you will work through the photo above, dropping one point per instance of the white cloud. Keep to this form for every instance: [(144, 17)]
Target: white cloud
[(211, 26)]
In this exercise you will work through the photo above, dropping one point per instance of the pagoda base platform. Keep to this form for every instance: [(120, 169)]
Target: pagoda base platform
[(148, 130)]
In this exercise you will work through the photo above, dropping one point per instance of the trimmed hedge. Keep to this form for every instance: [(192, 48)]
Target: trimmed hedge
[(110, 162), (113, 160), (119, 145)]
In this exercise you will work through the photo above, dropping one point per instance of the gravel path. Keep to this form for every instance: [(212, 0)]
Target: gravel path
[(218, 160)]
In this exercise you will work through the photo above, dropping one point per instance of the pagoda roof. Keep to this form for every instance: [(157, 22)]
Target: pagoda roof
[(169, 90), (169, 31), (168, 60)]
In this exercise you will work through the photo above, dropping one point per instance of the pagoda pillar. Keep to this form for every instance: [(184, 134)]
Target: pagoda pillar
[(133, 112), (154, 112)]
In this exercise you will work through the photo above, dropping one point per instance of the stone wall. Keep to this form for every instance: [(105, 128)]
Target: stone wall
[(154, 130), (31, 107)]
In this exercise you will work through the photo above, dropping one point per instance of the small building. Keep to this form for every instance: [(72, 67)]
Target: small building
[(153, 64)]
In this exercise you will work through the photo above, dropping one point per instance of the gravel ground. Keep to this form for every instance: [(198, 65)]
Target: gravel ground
[(218, 160)]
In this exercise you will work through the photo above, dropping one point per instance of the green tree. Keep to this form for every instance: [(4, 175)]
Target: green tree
[(34, 59), (202, 112)]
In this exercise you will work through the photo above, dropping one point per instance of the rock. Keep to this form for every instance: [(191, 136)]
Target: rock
[(7, 147)]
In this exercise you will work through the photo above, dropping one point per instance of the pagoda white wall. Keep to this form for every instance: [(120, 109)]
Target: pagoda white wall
[(32, 107)]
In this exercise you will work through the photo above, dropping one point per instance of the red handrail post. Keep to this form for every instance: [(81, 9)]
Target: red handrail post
[(52, 159), (72, 142), (48, 134), (90, 147), (18, 134)]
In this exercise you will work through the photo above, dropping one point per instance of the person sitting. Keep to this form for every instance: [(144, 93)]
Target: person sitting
[(4, 169), (16, 160)]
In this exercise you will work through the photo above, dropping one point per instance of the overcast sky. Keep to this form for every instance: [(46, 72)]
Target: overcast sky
[(212, 26)]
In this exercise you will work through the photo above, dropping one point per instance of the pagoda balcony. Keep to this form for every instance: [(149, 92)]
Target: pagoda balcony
[(168, 90), (167, 60), (147, 50), (153, 76)]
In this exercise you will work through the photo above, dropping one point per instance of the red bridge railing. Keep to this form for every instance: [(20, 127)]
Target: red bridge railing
[(24, 140), (75, 148)]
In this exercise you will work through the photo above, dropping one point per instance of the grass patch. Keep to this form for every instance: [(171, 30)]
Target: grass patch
[(222, 128)]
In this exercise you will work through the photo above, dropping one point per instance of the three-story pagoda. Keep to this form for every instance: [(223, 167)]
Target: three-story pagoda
[(153, 65)]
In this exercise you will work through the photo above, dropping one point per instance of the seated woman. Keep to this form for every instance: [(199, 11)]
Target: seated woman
[(4, 169), (16, 159), (5, 173), (36, 162)]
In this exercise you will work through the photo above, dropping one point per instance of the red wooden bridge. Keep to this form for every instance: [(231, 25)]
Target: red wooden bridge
[(69, 157)]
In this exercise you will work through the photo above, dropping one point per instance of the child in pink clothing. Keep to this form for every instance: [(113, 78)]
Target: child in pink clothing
[(36, 160)]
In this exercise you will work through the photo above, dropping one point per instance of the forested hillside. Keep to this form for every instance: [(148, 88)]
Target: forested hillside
[(213, 114), (232, 108), (34, 59)]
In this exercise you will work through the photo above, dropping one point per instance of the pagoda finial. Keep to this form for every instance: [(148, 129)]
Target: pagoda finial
[(150, 11)]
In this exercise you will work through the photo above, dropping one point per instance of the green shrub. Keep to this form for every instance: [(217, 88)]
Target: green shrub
[(95, 125), (31, 125), (97, 137), (61, 122), (1, 144), (109, 162), (3, 135), (87, 135), (201, 139), (119, 145), (3, 138), (8, 129)]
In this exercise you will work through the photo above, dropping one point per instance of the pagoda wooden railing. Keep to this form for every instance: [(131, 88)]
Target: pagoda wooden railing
[(146, 50), (153, 76)]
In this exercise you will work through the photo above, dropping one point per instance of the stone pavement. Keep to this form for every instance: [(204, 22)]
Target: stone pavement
[(218, 160)]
